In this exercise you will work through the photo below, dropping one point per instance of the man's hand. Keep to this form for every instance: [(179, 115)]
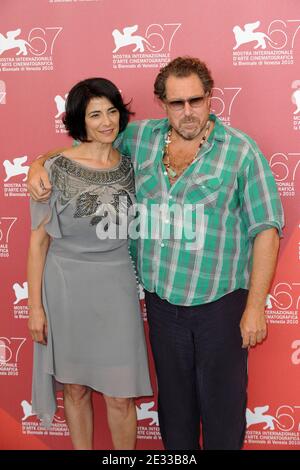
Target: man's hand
[(253, 327), (38, 184), (253, 324)]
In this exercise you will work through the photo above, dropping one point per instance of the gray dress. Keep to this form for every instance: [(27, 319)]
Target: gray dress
[(95, 329)]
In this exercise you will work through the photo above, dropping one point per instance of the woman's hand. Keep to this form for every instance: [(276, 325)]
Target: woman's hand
[(37, 325)]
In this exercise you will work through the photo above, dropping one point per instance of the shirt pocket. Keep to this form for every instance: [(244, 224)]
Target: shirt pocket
[(147, 182), (204, 189)]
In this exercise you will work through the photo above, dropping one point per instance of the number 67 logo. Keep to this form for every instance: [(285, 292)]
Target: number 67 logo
[(283, 296), (10, 348), (285, 166), (6, 224), (222, 100)]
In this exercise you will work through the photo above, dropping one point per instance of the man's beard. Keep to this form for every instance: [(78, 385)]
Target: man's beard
[(192, 134)]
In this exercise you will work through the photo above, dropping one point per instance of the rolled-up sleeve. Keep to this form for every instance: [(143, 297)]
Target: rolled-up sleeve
[(260, 202)]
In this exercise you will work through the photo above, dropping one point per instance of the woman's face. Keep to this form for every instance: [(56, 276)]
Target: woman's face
[(101, 121)]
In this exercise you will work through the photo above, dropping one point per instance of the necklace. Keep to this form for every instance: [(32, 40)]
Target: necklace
[(172, 173)]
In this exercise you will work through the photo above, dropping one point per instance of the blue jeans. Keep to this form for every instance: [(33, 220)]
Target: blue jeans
[(201, 371)]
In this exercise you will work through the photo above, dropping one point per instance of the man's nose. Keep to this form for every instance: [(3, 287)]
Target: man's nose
[(187, 109)]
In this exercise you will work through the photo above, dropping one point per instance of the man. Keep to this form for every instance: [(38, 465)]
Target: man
[(205, 300)]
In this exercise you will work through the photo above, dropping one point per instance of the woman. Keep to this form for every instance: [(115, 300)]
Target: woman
[(84, 309)]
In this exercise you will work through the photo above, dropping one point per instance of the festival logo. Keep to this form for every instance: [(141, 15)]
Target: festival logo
[(21, 297), (27, 410), (146, 47), (285, 169), (28, 51), (2, 92), (259, 416), (141, 294), (222, 102), (144, 412), (13, 41), (13, 170), (295, 97), (248, 34), (60, 104), (6, 225), (16, 168), (282, 306), (257, 45), (32, 426), (10, 349), (21, 292), (150, 426), (127, 38), (278, 427)]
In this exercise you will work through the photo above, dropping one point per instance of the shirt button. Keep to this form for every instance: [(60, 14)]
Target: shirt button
[(162, 245), (165, 173), (170, 197)]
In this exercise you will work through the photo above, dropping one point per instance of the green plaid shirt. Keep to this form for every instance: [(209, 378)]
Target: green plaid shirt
[(232, 181)]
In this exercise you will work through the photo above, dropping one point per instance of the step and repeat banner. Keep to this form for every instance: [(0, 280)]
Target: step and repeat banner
[(253, 50)]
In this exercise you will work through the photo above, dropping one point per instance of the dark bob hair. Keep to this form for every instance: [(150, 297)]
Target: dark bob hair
[(80, 96)]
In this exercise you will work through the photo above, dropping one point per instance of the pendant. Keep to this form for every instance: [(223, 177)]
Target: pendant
[(172, 173)]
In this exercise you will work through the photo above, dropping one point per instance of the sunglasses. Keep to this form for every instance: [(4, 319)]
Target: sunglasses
[(194, 102)]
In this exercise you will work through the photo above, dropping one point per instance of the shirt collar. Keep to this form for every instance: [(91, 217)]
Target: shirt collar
[(218, 133), (161, 125)]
